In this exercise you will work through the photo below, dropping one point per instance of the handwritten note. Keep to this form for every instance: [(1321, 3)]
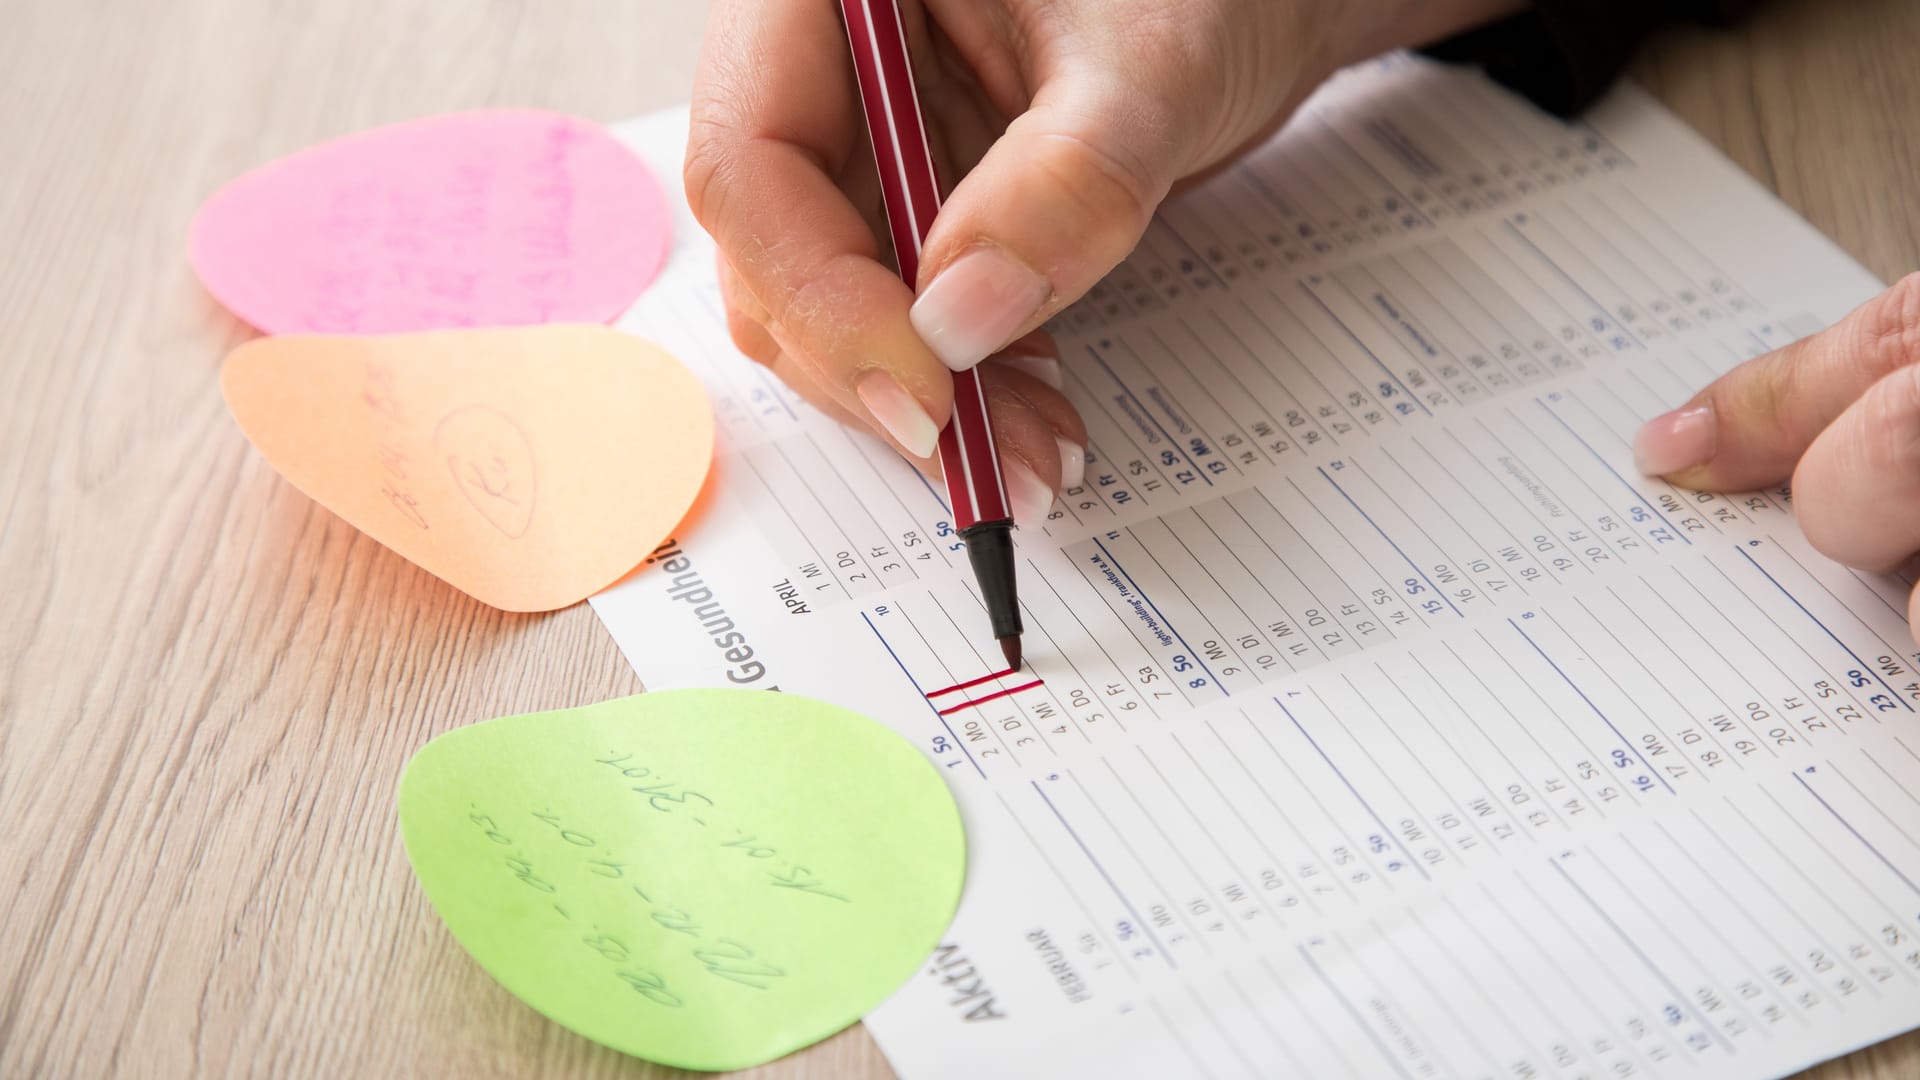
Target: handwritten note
[(489, 218), (705, 878), (528, 467)]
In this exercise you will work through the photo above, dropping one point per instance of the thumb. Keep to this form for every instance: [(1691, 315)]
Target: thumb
[(1748, 428), (1056, 203)]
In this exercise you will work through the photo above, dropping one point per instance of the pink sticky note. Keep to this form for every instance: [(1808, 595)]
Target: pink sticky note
[(489, 218)]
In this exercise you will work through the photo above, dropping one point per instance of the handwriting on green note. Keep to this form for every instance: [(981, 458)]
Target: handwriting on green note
[(657, 791), (705, 878)]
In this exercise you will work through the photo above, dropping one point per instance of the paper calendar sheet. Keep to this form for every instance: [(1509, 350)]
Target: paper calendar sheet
[(1380, 720)]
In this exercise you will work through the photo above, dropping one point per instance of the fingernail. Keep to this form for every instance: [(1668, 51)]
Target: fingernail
[(1044, 368), (899, 412), (1030, 495), (976, 304), (1674, 441), (1073, 464)]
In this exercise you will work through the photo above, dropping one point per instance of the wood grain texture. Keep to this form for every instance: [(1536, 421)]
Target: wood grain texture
[(209, 686)]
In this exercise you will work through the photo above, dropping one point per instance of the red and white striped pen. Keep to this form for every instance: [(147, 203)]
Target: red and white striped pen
[(911, 195)]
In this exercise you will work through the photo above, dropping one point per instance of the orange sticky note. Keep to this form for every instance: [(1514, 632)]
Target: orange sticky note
[(528, 467)]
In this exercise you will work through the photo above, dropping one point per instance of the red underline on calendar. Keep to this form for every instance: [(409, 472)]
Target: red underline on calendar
[(990, 697), (971, 682)]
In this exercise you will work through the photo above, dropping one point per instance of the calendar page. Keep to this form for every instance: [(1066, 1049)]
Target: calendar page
[(1380, 719)]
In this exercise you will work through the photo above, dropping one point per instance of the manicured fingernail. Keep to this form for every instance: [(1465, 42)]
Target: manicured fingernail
[(1073, 463), (1030, 495), (899, 412), (976, 304), (1674, 441), (1044, 368)]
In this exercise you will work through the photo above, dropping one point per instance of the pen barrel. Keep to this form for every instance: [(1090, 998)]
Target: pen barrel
[(969, 460), (909, 188), (910, 193)]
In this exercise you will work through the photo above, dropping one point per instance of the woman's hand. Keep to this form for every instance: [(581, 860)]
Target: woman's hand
[(1059, 126), (1839, 412)]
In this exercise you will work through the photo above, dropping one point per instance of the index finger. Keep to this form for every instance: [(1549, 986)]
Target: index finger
[(762, 155), (1749, 427)]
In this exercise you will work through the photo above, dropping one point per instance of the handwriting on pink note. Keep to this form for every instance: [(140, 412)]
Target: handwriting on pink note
[(488, 218)]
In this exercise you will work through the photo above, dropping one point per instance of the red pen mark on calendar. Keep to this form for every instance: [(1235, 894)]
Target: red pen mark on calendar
[(989, 697), (984, 698), (970, 683)]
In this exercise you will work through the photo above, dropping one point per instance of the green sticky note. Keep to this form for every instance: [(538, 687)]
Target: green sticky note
[(704, 878)]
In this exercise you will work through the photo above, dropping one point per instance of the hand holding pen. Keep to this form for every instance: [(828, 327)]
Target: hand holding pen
[(1059, 126), (1106, 119)]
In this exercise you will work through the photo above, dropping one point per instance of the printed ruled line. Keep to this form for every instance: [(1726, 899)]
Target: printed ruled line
[(1677, 999), (971, 760), (1385, 833), (1607, 465), (1848, 825), (1871, 671), (1359, 1021), (1604, 718), (1145, 927)]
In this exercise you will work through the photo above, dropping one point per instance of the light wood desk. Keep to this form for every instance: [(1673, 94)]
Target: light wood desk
[(208, 686)]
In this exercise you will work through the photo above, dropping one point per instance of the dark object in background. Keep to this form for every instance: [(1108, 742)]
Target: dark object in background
[(1564, 54)]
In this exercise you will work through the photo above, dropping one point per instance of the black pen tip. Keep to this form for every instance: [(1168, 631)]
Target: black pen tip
[(1010, 648)]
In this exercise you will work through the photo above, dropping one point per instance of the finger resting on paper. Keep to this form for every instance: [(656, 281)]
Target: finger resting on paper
[(1857, 489), (1748, 428)]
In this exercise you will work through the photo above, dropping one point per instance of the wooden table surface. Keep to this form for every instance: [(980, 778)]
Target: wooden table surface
[(208, 685)]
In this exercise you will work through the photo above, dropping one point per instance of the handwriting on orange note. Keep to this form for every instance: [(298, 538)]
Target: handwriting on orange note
[(491, 459), (377, 395), (528, 467)]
